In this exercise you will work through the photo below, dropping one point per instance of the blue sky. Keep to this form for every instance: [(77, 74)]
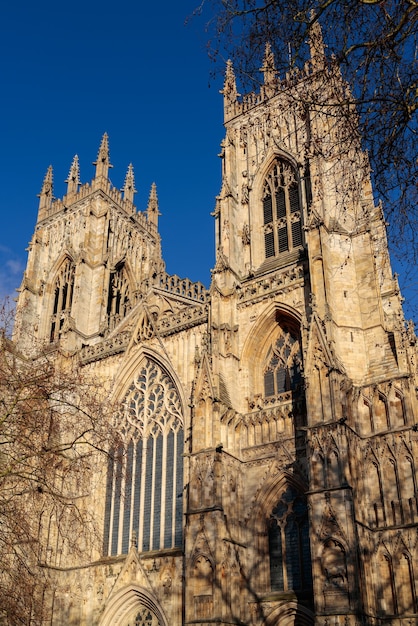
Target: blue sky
[(72, 71)]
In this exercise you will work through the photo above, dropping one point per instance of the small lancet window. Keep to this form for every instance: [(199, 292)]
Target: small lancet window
[(289, 546), (283, 369), (118, 302), (63, 297), (282, 211)]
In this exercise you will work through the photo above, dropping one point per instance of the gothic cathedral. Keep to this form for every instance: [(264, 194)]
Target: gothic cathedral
[(268, 472)]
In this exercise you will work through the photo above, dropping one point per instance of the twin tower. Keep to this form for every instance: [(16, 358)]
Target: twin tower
[(269, 465)]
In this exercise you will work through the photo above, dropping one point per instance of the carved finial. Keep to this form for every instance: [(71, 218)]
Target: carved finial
[(411, 332), (46, 195), (229, 91), (103, 163), (152, 209), (73, 179), (269, 70), (129, 186), (316, 43)]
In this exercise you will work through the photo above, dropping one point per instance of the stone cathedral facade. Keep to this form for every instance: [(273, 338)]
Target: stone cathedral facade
[(268, 473)]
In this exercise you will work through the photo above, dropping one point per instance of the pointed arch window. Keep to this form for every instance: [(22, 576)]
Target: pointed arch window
[(283, 368), (145, 476), (63, 298), (281, 210), (119, 300), (289, 545)]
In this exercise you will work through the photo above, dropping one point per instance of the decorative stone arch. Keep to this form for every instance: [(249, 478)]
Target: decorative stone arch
[(408, 482), (334, 474), (200, 581), (335, 572), (397, 407), (202, 570), (318, 468), (405, 580), (131, 365), (271, 157), (365, 423), (260, 339), (122, 608), (392, 488), (63, 258), (385, 590), (266, 497), (381, 417), (373, 490), (290, 614)]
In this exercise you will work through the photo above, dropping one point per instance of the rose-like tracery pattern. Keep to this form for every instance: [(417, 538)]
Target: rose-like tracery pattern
[(145, 476), (152, 404)]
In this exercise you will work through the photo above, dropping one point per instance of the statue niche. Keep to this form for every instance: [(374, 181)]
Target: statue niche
[(334, 567)]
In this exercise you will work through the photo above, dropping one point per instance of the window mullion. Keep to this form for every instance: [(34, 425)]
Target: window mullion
[(143, 490), (163, 489), (284, 558), (288, 219), (133, 479)]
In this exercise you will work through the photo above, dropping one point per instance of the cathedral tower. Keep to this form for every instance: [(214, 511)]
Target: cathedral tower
[(89, 258), (267, 473)]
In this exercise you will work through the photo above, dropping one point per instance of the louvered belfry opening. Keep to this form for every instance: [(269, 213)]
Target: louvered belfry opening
[(281, 210), (145, 475), (118, 302)]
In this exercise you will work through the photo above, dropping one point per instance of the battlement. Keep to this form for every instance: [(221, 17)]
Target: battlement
[(59, 205), (182, 287), (273, 85), (244, 103)]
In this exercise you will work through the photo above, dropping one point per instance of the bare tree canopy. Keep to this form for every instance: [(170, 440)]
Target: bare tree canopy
[(374, 42), (53, 428)]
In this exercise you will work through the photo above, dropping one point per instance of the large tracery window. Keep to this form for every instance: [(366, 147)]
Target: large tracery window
[(63, 297), (118, 302), (145, 476), (282, 210), (283, 368), (289, 546)]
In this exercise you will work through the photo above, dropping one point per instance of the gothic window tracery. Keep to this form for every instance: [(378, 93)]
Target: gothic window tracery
[(119, 299), (144, 617), (289, 545), (281, 210), (283, 368), (63, 297), (145, 476)]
